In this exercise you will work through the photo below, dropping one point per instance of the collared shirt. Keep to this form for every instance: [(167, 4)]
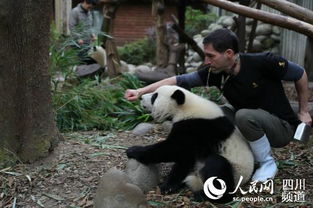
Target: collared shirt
[(80, 16), (257, 85)]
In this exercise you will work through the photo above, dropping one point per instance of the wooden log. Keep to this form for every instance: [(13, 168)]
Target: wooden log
[(161, 48), (186, 39), (253, 29), (275, 19), (62, 15), (241, 28), (290, 9), (308, 61)]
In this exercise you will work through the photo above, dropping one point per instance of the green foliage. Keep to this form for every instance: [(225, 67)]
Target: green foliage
[(65, 52), (196, 21), (210, 93), (92, 105), (138, 52)]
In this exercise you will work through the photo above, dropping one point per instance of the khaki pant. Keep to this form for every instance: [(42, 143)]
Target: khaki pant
[(254, 123)]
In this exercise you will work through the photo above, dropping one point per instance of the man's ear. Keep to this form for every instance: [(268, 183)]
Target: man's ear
[(229, 52), (179, 97)]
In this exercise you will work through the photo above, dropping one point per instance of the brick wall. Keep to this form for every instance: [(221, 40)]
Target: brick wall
[(133, 20)]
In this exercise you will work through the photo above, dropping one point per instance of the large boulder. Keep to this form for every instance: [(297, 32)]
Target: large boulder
[(146, 177), (115, 190)]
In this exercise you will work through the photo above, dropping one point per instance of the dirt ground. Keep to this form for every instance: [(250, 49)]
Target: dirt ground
[(69, 176)]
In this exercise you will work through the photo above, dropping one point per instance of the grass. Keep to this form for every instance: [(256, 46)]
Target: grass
[(93, 105)]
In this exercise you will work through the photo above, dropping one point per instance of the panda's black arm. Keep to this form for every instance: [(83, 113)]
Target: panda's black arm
[(164, 151)]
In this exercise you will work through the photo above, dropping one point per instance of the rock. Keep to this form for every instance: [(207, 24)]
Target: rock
[(214, 26), (248, 29), (257, 46), (191, 69), (116, 191), (145, 177), (276, 30), (196, 57), (195, 64), (142, 128), (143, 68), (221, 19), (204, 33), (228, 21), (249, 21), (197, 36), (276, 38), (263, 29), (131, 68), (124, 67), (268, 43), (261, 37)]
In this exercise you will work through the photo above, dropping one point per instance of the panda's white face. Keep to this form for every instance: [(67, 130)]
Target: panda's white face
[(161, 103), (178, 104)]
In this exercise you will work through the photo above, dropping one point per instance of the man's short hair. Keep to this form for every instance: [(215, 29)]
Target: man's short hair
[(93, 2), (222, 39)]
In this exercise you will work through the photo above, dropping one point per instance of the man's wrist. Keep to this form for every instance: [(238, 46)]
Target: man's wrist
[(139, 92)]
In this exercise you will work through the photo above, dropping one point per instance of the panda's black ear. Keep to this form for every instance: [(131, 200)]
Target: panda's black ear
[(179, 96)]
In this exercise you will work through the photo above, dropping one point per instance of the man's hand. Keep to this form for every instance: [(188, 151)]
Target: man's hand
[(131, 95), (80, 42), (305, 117)]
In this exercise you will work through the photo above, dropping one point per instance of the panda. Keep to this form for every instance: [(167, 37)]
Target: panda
[(98, 54), (202, 143)]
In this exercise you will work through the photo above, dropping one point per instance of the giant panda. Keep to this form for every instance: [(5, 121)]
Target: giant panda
[(202, 143)]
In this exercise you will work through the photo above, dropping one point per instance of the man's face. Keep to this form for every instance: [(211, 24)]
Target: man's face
[(218, 61), (87, 6)]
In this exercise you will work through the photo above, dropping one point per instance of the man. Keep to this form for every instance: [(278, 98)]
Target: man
[(252, 85), (80, 23)]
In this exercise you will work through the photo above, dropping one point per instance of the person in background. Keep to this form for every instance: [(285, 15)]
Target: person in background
[(252, 85), (81, 26)]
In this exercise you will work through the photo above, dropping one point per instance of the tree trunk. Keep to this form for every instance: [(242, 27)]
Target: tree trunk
[(275, 19), (113, 59), (308, 61), (241, 28), (28, 130), (290, 9), (158, 8)]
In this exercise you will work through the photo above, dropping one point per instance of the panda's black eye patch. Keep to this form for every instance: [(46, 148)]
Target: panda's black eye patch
[(154, 97)]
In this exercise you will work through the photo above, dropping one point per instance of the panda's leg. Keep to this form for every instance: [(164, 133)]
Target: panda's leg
[(219, 167), (174, 181), (164, 151)]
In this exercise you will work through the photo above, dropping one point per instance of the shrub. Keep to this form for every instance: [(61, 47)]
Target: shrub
[(196, 21), (138, 52), (93, 105)]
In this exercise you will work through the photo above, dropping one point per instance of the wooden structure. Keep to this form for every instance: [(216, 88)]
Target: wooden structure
[(133, 19), (62, 15)]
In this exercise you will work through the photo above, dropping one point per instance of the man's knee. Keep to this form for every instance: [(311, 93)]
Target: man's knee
[(244, 117), (248, 122)]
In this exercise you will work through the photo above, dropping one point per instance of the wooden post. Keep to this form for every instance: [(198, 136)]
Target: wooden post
[(181, 10), (241, 28), (113, 59), (253, 29), (275, 19), (308, 61), (62, 15), (158, 8), (290, 9)]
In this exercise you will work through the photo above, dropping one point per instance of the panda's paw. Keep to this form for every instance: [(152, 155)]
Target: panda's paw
[(199, 196), (135, 152), (170, 189)]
